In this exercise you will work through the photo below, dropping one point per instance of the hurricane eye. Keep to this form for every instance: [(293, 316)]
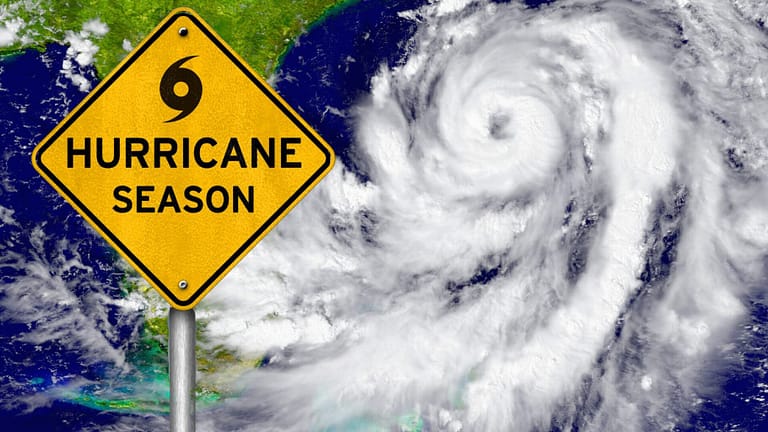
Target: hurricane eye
[(498, 126)]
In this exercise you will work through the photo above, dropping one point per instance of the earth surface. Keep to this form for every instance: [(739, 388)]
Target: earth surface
[(544, 216)]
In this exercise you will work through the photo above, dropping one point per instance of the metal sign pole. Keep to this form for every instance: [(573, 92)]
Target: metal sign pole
[(182, 369)]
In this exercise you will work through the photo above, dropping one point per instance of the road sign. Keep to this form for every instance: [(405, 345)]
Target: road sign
[(183, 158)]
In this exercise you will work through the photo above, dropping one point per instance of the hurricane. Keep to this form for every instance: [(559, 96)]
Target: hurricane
[(550, 217), (562, 214)]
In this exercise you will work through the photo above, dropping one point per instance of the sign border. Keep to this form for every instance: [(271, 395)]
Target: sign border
[(265, 227)]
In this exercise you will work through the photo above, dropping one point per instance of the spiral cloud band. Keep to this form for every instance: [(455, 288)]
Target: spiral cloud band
[(563, 212)]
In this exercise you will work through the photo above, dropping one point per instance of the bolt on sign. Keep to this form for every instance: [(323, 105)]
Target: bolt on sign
[(183, 158)]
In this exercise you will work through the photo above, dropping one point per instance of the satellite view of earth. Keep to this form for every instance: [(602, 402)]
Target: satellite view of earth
[(544, 216)]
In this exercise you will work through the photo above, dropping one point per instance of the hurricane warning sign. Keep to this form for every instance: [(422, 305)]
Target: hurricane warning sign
[(183, 158)]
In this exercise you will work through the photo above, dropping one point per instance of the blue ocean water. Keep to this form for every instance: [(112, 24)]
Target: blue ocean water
[(329, 69), (42, 230)]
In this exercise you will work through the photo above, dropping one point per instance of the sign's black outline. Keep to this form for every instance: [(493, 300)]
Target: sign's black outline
[(110, 80)]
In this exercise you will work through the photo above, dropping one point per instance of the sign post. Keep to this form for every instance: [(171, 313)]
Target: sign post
[(183, 159), (182, 369)]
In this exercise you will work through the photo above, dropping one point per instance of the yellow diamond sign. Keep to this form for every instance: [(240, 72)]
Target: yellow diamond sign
[(183, 158)]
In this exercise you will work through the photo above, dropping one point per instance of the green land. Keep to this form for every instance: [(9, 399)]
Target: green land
[(261, 31)]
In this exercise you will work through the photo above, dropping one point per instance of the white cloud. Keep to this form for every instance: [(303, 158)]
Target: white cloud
[(82, 50)]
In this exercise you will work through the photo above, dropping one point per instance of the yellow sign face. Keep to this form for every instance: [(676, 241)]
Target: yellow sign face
[(183, 158)]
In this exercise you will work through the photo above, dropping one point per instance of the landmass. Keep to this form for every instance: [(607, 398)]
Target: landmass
[(261, 31)]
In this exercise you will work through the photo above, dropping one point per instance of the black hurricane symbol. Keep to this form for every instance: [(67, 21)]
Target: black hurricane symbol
[(187, 102)]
